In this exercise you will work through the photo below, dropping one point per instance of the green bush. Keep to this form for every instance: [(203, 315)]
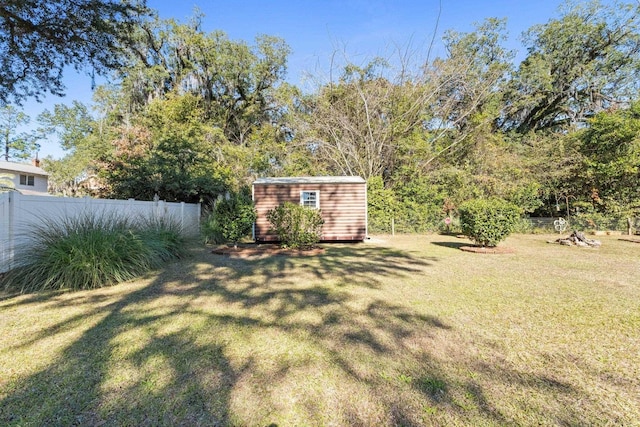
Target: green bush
[(412, 207), (91, 251), (210, 228), (382, 206), (594, 221), (488, 221), (524, 226), (231, 219), (296, 226)]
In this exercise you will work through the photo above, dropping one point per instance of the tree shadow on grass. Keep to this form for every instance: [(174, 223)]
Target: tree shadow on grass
[(452, 245), (162, 381), (220, 341), (16, 298)]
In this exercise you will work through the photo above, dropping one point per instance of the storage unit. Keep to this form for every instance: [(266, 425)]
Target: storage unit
[(342, 201)]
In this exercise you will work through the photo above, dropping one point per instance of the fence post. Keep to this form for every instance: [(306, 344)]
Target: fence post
[(13, 201), (182, 216), (199, 217), (4, 230), (130, 209)]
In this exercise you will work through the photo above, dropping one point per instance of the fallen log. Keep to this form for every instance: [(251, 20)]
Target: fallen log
[(577, 238)]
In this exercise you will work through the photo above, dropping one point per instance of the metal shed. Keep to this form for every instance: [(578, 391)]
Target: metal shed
[(342, 201)]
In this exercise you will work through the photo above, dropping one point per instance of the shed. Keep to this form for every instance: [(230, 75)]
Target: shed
[(342, 201)]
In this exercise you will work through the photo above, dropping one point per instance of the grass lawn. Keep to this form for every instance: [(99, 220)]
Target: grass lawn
[(404, 330)]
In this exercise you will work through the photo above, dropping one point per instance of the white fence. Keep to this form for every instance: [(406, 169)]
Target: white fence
[(19, 213)]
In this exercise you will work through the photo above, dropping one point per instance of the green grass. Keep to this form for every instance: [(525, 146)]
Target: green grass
[(407, 331)]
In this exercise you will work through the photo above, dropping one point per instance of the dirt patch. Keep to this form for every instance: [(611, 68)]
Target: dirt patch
[(264, 250), (486, 250)]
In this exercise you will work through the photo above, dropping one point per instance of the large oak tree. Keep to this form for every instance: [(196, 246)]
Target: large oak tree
[(578, 65), (39, 39)]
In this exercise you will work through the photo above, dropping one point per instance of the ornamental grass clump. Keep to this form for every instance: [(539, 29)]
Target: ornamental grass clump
[(165, 238), (91, 251), (488, 221)]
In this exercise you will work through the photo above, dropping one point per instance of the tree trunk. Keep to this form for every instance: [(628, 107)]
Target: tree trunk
[(577, 238)]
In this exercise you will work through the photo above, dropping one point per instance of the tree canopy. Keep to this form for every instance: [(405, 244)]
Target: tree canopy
[(582, 63), (191, 115), (15, 145), (39, 39)]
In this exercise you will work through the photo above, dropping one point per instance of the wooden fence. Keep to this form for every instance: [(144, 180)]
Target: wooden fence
[(20, 213)]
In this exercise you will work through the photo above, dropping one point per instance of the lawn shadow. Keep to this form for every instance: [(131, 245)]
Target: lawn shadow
[(452, 245), (166, 385), (185, 346), (357, 264), (17, 298)]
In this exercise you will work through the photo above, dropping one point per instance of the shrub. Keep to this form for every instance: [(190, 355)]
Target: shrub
[(231, 219), (592, 221), (91, 251), (488, 221), (381, 205), (296, 226), (210, 228)]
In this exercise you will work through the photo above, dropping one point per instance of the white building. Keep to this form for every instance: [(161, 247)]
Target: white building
[(28, 179)]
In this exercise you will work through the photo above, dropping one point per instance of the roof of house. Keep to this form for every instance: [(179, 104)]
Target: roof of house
[(311, 180), (22, 167)]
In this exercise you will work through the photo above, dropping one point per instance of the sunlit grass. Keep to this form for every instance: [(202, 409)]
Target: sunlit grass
[(407, 330)]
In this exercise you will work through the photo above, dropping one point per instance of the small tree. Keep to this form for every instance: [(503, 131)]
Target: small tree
[(297, 226), (488, 221), (232, 219), (14, 144)]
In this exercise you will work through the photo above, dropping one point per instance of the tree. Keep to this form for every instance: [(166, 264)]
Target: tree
[(82, 137), (70, 124), (611, 153), (586, 61), (39, 39), (168, 151), (15, 145), (236, 81), (468, 87), (377, 118), (349, 121), (194, 113)]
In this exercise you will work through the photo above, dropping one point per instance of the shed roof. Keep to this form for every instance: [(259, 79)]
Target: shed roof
[(311, 180), (22, 167)]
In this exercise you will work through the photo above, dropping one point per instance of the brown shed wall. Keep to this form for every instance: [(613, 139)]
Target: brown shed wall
[(343, 207)]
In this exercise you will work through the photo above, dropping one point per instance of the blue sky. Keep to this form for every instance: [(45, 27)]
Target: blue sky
[(316, 29), (361, 28)]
